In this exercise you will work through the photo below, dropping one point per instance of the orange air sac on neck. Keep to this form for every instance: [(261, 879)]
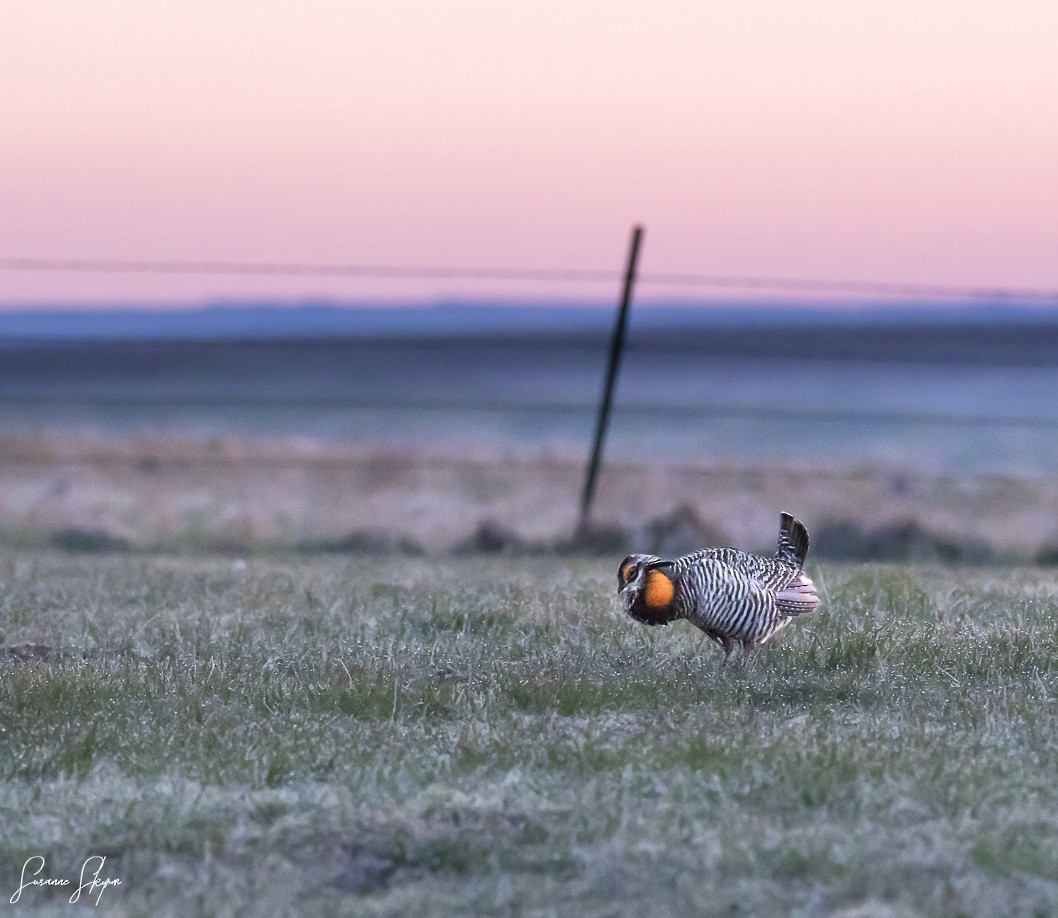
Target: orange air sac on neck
[(659, 590)]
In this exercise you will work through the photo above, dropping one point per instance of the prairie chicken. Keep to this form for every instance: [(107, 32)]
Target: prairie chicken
[(733, 596)]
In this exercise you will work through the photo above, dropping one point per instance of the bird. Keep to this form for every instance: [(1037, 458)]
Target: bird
[(735, 597)]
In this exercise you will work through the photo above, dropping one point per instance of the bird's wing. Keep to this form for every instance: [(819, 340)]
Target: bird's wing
[(717, 579), (769, 572)]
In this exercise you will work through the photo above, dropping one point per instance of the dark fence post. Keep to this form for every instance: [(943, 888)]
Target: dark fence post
[(616, 347)]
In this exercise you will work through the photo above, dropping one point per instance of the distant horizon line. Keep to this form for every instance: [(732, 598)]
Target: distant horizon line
[(257, 319)]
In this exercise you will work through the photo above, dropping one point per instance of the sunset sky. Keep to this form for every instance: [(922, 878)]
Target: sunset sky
[(871, 141)]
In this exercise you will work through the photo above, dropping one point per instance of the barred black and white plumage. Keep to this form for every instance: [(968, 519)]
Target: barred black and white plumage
[(731, 595)]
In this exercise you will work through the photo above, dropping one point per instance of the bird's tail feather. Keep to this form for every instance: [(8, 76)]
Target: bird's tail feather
[(793, 541)]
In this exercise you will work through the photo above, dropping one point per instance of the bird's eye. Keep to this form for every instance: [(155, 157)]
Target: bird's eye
[(630, 573)]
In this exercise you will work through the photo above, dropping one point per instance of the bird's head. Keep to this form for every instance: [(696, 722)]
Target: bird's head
[(633, 571), (645, 584)]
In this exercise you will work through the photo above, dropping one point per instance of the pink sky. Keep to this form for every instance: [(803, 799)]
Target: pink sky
[(898, 141)]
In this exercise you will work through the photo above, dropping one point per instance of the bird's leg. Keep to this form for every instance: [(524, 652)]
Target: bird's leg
[(728, 646)]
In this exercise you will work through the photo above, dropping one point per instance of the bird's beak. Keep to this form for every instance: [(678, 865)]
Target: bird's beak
[(625, 589)]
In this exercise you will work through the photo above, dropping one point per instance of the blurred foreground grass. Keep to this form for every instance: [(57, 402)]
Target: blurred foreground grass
[(474, 736)]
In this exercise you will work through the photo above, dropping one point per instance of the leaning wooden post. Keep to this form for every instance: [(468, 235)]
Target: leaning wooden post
[(616, 347)]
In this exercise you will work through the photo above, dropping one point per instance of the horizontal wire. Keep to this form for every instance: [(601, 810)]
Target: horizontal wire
[(810, 285), (292, 269), (717, 412), (129, 266)]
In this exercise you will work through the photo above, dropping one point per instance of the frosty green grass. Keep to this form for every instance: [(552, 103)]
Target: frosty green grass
[(365, 735)]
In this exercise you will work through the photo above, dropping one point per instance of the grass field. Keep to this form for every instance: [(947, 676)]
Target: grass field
[(400, 736)]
